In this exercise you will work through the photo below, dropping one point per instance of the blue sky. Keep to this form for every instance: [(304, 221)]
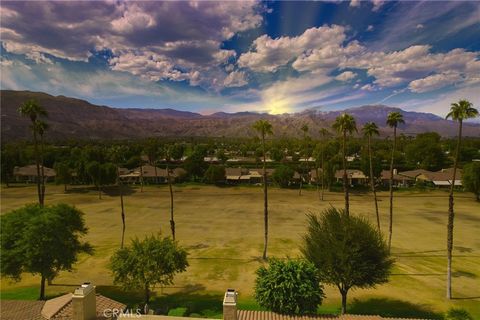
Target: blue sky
[(245, 56)]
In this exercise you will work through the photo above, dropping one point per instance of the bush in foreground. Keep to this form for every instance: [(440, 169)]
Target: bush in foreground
[(289, 287), (458, 314)]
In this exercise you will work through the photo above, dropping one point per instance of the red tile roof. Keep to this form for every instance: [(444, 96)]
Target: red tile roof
[(267, 315)]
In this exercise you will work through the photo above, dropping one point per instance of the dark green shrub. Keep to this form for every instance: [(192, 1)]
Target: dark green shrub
[(289, 287), (458, 314)]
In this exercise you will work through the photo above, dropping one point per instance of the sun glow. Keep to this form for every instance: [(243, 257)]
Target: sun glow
[(278, 106)]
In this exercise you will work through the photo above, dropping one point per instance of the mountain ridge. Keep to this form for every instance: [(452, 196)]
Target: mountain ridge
[(78, 118)]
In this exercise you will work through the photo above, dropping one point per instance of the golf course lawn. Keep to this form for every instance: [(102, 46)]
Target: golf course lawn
[(222, 228)]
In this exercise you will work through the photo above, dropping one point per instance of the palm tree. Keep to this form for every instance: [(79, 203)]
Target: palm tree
[(41, 127), (264, 128), (33, 110), (393, 120), (304, 129), (116, 157), (459, 111), (169, 180), (324, 133), (345, 124), (370, 129)]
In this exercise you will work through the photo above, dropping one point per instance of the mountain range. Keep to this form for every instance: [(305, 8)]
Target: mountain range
[(74, 118)]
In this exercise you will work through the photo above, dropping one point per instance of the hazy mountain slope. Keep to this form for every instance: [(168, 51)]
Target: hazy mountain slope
[(74, 118)]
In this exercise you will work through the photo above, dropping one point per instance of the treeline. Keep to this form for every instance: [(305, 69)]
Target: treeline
[(425, 151)]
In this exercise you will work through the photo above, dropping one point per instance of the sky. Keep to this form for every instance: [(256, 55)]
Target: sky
[(232, 56)]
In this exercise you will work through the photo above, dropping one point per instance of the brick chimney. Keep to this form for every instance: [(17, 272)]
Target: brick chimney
[(230, 305), (84, 302)]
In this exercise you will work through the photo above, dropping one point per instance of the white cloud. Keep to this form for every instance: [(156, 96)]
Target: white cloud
[(235, 79), (369, 87), (346, 76), (161, 38), (434, 82), (269, 54), (355, 3), (370, 28)]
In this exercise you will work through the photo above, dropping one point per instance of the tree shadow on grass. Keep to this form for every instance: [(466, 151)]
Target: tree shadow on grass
[(190, 297), (392, 308), (114, 191)]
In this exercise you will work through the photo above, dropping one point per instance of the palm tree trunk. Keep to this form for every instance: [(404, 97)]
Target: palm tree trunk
[(41, 167), (317, 178), (372, 181), (172, 221), (390, 226), (345, 182), (37, 163), (451, 215), (265, 200), (141, 178), (323, 175)]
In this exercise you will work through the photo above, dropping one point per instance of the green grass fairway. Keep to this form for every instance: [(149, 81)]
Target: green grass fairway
[(223, 231)]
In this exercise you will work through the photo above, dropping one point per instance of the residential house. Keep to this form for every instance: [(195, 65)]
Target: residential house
[(230, 312), (28, 174), (354, 177), (82, 304), (399, 180)]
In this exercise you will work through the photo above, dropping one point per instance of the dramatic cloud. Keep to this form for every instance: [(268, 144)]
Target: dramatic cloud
[(325, 49), (157, 40), (268, 54), (235, 79)]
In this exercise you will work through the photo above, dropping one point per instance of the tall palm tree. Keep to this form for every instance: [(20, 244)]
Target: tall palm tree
[(33, 111), (393, 120), (169, 180), (370, 129), (459, 111), (264, 128), (116, 157), (324, 133), (41, 127), (304, 129), (345, 125)]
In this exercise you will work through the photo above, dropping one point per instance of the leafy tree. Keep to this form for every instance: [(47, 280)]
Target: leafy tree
[(215, 174), (345, 125), (471, 178), (102, 174), (370, 129), (347, 250), (63, 174), (147, 263), (195, 165), (393, 120), (289, 287), (425, 152), (34, 111), (276, 154), (459, 111), (283, 175), (41, 240), (10, 158), (222, 157), (264, 128)]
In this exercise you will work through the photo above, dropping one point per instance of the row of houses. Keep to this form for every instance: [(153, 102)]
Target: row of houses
[(155, 175)]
